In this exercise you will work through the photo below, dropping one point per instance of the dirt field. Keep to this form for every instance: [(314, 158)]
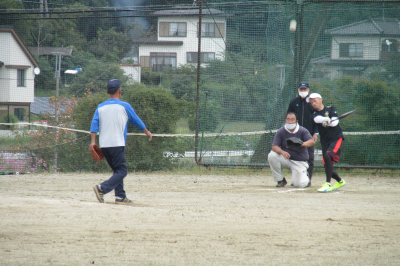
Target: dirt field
[(55, 219)]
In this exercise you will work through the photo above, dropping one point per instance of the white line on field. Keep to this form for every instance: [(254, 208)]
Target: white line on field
[(290, 190)]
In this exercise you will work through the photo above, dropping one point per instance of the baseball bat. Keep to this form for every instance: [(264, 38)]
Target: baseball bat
[(345, 115)]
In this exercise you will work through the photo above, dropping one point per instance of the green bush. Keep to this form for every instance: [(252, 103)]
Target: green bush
[(84, 111), (149, 77), (209, 116), (8, 119), (184, 87), (159, 110)]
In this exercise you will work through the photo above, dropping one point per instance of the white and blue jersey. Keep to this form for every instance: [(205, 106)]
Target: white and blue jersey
[(111, 121)]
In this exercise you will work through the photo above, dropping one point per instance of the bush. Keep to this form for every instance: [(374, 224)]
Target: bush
[(209, 116), (159, 110), (8, 119), (84, 111), (149, 77)]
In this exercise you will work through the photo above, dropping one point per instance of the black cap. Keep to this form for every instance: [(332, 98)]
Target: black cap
[(304, 85), (113, 85)]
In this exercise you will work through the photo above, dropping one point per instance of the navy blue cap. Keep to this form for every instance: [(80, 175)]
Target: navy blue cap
[(113, 84), (304, 85)]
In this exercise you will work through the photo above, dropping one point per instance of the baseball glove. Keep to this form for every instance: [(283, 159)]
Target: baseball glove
[(293, 142), (96, 153)]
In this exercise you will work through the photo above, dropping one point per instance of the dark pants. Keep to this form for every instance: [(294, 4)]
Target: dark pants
[(310, 161), (330, 155), (115, 157)]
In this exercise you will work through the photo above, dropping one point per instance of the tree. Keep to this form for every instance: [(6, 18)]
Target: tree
[(45, 83), (110, 44), (393, 67), (95, 76), (41, 31)]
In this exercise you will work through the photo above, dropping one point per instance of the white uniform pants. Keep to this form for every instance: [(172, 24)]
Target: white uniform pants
[(299, 169)]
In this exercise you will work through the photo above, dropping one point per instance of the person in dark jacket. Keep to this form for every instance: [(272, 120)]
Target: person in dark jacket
[(303, 109)]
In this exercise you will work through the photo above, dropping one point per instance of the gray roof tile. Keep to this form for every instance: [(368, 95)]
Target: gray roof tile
[(376, 26), (188, 11), (41, 105)]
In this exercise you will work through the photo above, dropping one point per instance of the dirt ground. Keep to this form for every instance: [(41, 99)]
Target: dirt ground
[(55, 219)]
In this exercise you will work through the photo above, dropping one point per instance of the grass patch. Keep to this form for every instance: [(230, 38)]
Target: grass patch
[(183, 126), (236, 126), (241, 126)]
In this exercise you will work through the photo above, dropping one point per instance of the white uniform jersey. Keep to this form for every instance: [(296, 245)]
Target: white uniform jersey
[(111, 121)]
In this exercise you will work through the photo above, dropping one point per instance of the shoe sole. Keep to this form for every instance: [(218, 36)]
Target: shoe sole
[(325, 191), (96, 191), (339, 187)]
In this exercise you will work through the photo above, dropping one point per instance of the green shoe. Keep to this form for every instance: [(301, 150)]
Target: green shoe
[(338, 185), (326, 187)]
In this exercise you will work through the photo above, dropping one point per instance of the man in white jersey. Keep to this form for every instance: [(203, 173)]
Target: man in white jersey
[(111, 121)]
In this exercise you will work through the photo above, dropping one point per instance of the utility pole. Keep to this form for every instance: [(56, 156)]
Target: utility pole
[(298, 45), (57, 76), (196, 138)]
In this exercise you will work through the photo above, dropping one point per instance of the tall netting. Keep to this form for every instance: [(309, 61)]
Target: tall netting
[(213, 92), (346, 50)]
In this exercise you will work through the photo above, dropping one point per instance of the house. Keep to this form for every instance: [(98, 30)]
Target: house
[(358, 48), (133, 71), (17, 75), (176, 42)]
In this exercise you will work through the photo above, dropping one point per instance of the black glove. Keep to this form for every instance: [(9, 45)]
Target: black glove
[(293, 142)]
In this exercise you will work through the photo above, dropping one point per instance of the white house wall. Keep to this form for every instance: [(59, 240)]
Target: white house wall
[(5, 73), (371, 47), (11, 53), (190, 42), (133, 72)]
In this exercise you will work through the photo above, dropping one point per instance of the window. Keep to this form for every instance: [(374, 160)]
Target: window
[(216, 30), (351, 50), (159, 60), (171, 29), (207, 30), (20, 77), (204, 57), (145, 61), (389, 45), (20, 113)]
